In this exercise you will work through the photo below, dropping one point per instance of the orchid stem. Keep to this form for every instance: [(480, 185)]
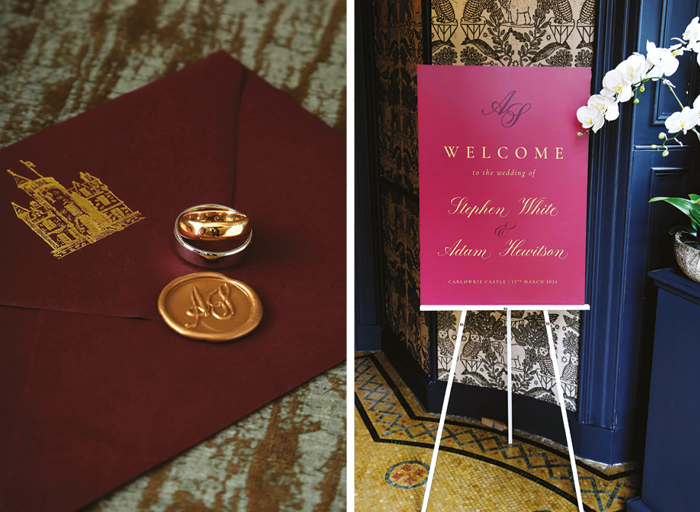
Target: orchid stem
[(674, 94)]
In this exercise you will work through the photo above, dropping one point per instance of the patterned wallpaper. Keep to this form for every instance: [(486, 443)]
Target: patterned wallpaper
[(513, 32), (557, 33), (402, 274), (482, 361), (398, 49), (466, 32)]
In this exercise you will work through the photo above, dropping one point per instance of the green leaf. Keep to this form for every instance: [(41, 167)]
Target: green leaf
[(676, 229), (695, 223), (694, 197), (684, 229), (679, 202), (695, 211), (688, 207)]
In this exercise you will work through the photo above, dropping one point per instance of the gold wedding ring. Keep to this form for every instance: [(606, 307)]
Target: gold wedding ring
[(213, 222), (212, 235)]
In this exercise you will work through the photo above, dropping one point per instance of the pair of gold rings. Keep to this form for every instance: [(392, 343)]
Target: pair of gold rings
[(212, 235), (209, 306)]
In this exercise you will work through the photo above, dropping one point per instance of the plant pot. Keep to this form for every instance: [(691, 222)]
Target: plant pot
[(688, 255)]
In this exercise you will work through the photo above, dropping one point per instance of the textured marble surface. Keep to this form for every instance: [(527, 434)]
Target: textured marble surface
[(289, 455), (59, 58)]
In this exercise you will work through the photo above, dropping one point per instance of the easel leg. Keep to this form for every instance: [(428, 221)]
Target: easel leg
[(438, 435), (510, 378), (560, 397)]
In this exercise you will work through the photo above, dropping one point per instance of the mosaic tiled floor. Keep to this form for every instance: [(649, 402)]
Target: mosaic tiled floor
[(477, 471)]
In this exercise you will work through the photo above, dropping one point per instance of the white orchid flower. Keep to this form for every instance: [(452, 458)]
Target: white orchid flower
[(684, 120), (661, 61), (591, 117), (614, 84), (634, 68), (696, 104), (677, 49), (628, 78), (692, 34), (608, 105)]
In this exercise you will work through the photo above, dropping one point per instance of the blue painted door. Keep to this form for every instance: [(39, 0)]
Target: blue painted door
[(649, 245), (627, 236)]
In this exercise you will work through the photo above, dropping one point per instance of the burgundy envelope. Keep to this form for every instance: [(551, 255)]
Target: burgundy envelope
[(94, 387)]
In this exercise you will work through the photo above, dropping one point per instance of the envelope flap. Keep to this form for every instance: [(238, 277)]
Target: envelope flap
[(88, 206), (93, 400)]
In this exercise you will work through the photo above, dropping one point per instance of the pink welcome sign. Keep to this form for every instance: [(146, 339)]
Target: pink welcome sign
[(503, 185)]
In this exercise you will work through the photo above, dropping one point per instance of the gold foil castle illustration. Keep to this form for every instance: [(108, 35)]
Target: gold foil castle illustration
[(69, 219)]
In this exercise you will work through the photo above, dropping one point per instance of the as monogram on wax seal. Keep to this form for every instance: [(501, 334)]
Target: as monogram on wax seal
[(209, 306)]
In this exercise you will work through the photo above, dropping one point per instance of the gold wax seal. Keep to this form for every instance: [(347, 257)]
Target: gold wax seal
[(213, 222), (209, 306)]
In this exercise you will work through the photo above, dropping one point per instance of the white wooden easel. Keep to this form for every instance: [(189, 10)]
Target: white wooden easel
[(450, 379)]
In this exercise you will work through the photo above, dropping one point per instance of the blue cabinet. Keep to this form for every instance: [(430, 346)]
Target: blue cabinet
[(671, 473)]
